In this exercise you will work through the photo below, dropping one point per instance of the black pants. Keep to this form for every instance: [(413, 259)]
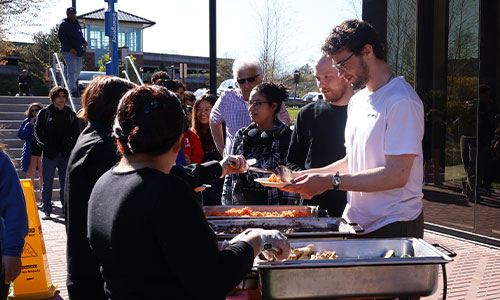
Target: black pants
[(413, 228)]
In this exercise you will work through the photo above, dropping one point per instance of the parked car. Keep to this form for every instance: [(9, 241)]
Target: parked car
[(200, 92), (292, 97), (228, 84), (313, 96), (85, 78)]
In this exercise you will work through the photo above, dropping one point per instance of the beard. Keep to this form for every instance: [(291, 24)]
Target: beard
[(335, 94), (361, 78)]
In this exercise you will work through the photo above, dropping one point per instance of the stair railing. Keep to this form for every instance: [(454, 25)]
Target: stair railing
[(128, 60), (56, 59)]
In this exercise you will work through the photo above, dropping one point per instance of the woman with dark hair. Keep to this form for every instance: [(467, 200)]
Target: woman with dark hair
[(31, 157), (266, 140), (136, 209), (201, 113), (94, 153)]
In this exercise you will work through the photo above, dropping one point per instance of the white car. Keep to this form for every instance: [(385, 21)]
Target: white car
[(229, 84), (85, 78), (313, 96)]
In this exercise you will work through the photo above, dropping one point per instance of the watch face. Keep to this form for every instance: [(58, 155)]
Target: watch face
[(336, 180)]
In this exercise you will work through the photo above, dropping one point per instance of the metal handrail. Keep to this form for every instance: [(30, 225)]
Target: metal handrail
[(126, 75), (129, 59), (56, 57), (54, 78)]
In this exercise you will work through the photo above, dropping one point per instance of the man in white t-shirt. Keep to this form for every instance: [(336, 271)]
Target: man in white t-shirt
[(383, 167)]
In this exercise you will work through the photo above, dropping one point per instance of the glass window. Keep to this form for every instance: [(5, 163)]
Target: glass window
[(121, 39), (95, 40)]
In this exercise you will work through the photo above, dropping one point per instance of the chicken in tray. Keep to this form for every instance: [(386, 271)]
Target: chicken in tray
[(309, 253)]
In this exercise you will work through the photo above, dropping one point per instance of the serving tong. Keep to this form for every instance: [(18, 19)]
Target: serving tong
[(282, 172)]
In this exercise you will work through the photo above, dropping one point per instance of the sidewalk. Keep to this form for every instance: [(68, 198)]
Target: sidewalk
[(475, 273)]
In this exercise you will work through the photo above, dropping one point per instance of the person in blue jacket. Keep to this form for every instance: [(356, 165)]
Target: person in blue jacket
[(13, 223), (31, 157), (73, 46)]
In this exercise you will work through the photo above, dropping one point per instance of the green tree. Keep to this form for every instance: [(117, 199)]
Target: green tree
[(39, 55), (121, 67), (18, 11), (307, 82)]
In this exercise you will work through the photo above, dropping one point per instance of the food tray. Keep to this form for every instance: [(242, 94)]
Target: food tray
[(313, 210), (360, 270), (302, 227)]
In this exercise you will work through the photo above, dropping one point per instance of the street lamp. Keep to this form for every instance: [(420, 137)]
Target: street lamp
[(296, 79)]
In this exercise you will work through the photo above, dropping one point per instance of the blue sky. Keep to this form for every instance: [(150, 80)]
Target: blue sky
[(182, 26)]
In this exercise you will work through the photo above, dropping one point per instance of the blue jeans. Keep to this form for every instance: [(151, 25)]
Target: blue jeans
[(72, 70), (48, 171)]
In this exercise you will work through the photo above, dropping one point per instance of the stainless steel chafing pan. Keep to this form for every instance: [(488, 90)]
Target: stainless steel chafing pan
[(360, 270), (313, 210), (291, 227)]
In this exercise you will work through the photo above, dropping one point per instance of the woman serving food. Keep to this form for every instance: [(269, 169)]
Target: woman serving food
[(144, 223)]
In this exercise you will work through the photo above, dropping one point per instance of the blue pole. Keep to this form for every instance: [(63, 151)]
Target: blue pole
[(111, 30)]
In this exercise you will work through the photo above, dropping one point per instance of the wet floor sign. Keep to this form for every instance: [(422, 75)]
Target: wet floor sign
[(34, 282)]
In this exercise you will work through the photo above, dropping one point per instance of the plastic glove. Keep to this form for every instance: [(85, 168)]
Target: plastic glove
[(233, 164), (278, 241)]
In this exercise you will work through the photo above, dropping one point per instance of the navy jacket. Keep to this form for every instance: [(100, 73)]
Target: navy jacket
[(71, 37), (13, 216), (26, 133)]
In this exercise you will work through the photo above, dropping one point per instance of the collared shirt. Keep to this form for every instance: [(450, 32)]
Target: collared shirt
[(232, 109)]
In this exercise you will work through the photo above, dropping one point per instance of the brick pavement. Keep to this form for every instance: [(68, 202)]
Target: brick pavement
[(445, 205), (475, 273)]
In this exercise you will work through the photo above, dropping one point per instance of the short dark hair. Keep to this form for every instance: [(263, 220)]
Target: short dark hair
[(28, 113), (189, 96), (149, 120), (55, 91), (159, 75), (171, 85), (101, 98), (353, 35), (274, 93), (210, 98)]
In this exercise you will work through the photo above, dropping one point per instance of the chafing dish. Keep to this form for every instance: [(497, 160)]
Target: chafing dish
[(360, 270), (291, 227), (313, 210)]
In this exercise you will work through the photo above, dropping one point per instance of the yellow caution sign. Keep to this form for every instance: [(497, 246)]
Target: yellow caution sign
[(34, 282)]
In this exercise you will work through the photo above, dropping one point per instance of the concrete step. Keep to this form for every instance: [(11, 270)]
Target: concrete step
[(13, 107), (12, 143), (14, 152), (8, 133), (55, 182), (11, 124), (11, 116), (26, 100)]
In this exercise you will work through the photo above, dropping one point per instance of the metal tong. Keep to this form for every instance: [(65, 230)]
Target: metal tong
[(283, 173)]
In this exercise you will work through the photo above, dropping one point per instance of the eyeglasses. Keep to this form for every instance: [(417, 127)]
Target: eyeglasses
[(256, 103), (249, 79), (340, 67)]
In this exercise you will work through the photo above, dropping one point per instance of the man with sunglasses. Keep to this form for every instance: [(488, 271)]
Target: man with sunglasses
[(383, 167), (232, 106), (318, 134)]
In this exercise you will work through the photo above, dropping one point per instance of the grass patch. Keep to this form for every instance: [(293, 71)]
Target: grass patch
[(293, 112)]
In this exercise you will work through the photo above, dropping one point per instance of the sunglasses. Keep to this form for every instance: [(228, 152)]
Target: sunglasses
[(35, 109), (249, 79)]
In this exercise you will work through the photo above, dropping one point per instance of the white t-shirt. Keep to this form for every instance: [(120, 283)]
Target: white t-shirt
[(389, 121)]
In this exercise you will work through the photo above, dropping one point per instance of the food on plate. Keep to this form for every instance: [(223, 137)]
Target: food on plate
[(308, 253), (274, 178), (247, 212)]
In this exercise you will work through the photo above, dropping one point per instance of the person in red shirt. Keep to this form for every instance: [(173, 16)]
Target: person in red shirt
[(193, 151)]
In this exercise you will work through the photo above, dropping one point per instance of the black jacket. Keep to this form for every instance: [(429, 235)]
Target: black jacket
[(94, 154), (71, 37), (56, 131)]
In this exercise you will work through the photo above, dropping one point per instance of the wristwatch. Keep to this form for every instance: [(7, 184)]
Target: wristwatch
[(336, 181)]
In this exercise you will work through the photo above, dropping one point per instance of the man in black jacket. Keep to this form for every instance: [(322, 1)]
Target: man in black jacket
[(24, 80), (73, 45), (318, 135), (56, 131)]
